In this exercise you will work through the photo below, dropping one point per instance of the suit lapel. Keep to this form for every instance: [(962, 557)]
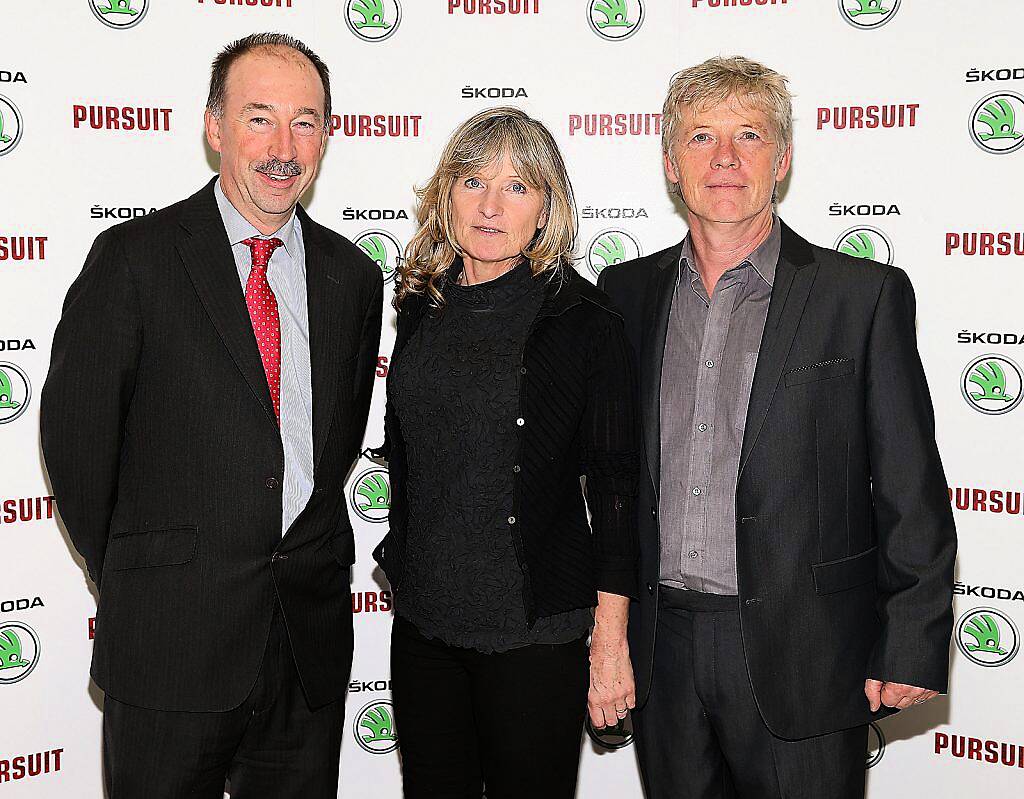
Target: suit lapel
[(657, 305), (206, 255), (794, 278), (328, 307)]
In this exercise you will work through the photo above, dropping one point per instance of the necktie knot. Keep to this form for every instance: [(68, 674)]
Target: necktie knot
[(261, 250)]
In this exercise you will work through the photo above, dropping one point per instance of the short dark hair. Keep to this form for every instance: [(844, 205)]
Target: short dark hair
[(256, 41)]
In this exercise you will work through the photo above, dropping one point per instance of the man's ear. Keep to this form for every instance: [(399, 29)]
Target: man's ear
[(784, 163), (212, 126), (670, 169)]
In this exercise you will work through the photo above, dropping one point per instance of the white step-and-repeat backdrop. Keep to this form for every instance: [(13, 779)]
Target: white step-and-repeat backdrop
[(909, 148)]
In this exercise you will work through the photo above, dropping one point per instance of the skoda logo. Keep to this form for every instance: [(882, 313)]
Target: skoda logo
[(11, 125), (615, 19), (618, 736), (876, 745), (371, 495), (19, 651), (610, 247), (991, 384), (119, 13), (383, 249), (868, 14), (373, 20), (987, 637), (865, 241), (374, 728), (15, 392), (996, 121)]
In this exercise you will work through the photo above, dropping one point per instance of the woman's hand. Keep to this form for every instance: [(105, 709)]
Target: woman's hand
[(612, 691)]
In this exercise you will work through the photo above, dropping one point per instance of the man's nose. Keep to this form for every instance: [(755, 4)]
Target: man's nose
[(282, 145)]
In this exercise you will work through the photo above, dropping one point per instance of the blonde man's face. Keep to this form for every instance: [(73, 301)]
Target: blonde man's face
[(726, 161)]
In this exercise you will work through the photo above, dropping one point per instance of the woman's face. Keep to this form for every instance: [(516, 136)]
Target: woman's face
[(495, 214)]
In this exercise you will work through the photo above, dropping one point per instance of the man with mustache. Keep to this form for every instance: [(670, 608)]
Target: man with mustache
[(208, 390), (796, 538)]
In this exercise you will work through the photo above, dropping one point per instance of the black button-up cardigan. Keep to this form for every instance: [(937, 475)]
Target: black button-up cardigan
[(577, 406)]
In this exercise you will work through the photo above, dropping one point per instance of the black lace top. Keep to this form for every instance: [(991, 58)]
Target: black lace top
[(455, 390)]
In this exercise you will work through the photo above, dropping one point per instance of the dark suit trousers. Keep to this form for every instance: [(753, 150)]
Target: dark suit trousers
[(510, 721), (272, 745), (700, 735)]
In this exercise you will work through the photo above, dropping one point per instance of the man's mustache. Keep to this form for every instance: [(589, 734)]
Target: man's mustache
[(285, 169)]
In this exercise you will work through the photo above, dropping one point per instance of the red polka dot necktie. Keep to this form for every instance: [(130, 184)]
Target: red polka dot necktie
[(266, 323)]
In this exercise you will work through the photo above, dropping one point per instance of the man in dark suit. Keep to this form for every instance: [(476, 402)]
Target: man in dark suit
[(208, 391), (797, 542)]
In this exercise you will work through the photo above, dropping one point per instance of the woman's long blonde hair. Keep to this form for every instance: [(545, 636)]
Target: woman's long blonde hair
[(478, 142)]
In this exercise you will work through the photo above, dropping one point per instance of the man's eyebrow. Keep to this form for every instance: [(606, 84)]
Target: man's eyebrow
[(303, 111), (257, 107)]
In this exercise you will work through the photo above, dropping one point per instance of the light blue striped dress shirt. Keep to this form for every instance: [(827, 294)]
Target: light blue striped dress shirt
[(286, 274)]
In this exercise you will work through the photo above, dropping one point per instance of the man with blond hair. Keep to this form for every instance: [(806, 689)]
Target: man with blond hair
[(796, 539)]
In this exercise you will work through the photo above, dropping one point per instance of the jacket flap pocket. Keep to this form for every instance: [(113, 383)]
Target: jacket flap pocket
[(168, 546), (837, 367), (840, 575), (344, 548)]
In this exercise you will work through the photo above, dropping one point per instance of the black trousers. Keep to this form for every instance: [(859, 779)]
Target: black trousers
[(272, 745), (511, 722), (700, 735)]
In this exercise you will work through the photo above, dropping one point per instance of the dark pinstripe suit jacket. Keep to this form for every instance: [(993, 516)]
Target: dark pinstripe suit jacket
[(166, 462)]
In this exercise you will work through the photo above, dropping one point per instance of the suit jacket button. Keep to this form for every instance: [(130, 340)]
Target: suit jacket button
[(650, 588), (272, 483), (654, 511), (278, 556), (750, 602)]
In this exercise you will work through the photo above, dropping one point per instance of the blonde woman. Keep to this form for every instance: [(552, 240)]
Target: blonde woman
[(511, 378)]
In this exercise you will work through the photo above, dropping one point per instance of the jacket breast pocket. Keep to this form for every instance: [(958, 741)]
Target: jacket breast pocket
[(167, 546), (834, 576), (826, 370)]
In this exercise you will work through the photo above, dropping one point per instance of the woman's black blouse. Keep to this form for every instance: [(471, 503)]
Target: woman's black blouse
[(574, 411), (455, 390)]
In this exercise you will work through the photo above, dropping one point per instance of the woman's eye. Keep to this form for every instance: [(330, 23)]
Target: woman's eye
[(519, 188), (473, 183)]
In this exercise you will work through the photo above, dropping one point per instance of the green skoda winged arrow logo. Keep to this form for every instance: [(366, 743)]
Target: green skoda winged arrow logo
[(987, 637), (383, 249), (610, 247), (615, 19), (10, 125), (373, 20), (994, 122), (119, 13), (992, 384), (868, 14), (374, 728), (865, 241), (15, 391), (370, 496), (19, 652)]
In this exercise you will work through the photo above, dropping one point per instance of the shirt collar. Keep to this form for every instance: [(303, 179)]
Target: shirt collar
[(764, 259), (239, 228)]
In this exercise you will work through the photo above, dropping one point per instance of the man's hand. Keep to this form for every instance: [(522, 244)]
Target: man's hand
[(612, 692), (895, 694)]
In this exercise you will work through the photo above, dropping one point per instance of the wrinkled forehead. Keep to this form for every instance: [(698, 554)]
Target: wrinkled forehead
[(274, 74), (745, 109)]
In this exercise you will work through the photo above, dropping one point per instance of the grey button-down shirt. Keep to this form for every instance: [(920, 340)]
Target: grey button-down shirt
[(711, 348), (286, 274)]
